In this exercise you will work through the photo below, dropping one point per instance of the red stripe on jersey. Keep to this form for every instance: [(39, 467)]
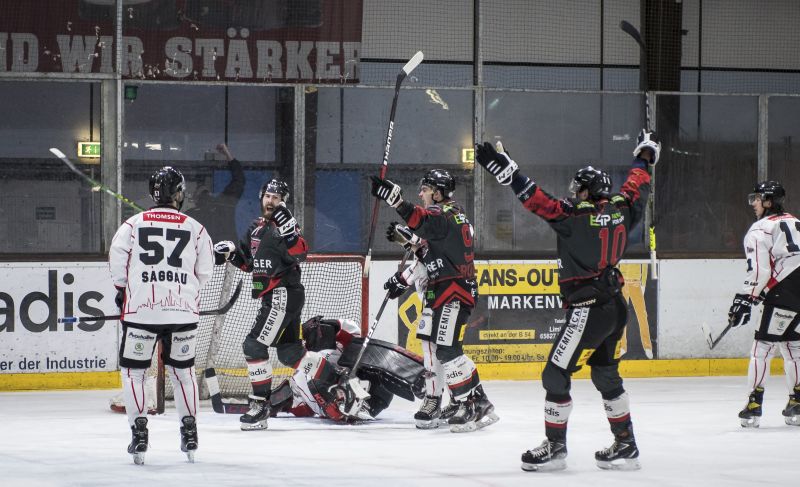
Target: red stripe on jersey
[(454, 291), (163, 216)]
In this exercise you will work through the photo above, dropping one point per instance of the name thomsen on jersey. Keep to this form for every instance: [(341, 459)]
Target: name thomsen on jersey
[(164, 276), (163, 216)]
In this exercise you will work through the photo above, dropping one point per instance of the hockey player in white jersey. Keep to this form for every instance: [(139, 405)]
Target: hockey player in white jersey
[(772, 248), (159, 260)]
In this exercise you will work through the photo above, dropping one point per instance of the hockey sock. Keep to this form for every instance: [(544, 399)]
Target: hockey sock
[(556, 416), (791, 364), (260, 373), (133, 393), (461, 376), (758, 370), (434, 385), (618, 411), (184, 386)]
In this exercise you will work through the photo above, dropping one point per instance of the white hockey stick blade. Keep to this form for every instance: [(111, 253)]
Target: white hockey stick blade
[(412, 63), (56, 152), (707, 334)]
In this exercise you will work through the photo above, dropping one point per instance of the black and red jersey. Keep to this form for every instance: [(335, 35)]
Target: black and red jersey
[(592, 235), (449, 255), (273, 260)]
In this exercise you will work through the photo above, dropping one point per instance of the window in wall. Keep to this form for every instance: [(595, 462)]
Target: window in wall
[(45, 207)]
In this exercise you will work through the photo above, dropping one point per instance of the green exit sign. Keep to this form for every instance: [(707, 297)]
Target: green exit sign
[(89, 150)]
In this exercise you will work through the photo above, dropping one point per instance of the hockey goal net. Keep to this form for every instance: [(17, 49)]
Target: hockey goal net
[(335, 288)]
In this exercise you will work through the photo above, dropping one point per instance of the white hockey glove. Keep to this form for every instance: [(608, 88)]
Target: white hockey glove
[(284, 221), (223, 251), (496, 161), (387, 191), (646, 141)]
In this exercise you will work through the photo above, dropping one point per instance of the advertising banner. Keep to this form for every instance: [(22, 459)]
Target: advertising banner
[(519, 313), (34, 296), (286, 41)]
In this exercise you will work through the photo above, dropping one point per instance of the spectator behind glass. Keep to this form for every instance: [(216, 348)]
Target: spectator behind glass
[(217, 212)]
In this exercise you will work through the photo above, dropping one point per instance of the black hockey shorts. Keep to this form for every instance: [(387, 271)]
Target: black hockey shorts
[(138, 343), (278, 319), (590, 336), (444, 325), (780, 321)]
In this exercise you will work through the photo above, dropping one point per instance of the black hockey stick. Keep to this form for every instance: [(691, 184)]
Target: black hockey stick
[(712, 342), (209, 312), (648, 124), (279, 396), (95, 185), (374, 325), (410, 66)]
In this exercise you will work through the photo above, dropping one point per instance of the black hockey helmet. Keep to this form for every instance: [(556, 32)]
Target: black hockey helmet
[(275, 186), (165, 184), (441, 180), (596, 181), (769, 190)]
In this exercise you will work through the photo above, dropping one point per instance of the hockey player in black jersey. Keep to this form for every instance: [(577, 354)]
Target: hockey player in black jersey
[(272, 249), (449, 295), (592, 229)]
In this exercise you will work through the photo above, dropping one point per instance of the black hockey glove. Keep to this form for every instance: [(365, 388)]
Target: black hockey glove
[(119, 299), (396, 285), (497, 162), (399, 233), (223, 251), (387, 191), (739, 314), (646, 141), (284, 221)]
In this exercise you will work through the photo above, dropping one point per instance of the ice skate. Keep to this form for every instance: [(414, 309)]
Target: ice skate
[(429, 413), (750, 416), (189, 437), (449, 411), (621, 455), (256, 418), (473, 413), (791, 413), (139, 440), (548, 457)]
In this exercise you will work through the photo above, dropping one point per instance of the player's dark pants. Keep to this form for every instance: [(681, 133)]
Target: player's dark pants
[(589, 337), (139, 341), (277, 324), (781, 317)]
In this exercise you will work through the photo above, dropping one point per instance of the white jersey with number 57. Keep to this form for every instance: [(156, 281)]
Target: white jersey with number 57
[(772, 247), (162, 258)]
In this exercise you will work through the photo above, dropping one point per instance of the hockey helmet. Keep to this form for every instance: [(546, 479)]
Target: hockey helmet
[(441, 180), (596, 181), (768, 190), (166, 184), (275, 186)]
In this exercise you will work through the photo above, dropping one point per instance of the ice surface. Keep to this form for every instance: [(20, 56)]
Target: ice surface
[(686, 428)]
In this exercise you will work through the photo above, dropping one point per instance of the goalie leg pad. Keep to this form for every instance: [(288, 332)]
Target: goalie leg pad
[(185, 386), (461, 376), (391, 365)]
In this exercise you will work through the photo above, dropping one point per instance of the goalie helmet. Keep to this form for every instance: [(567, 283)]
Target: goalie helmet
[(769, 191), (441, 180), (275, 186), (166, 184), (596, 181)]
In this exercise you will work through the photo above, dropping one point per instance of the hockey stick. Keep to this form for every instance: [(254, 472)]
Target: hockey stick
[(648, 124), (95, 185), (712, 342), (209, 312), (410, 66)]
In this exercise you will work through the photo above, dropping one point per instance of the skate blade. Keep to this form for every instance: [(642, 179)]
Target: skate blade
[(792, 420), (551, 466), (138, 458), (620, 464), (427, 425), (190, 456), (464, 428), (750, 422), (261, 425), (487, 420)]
